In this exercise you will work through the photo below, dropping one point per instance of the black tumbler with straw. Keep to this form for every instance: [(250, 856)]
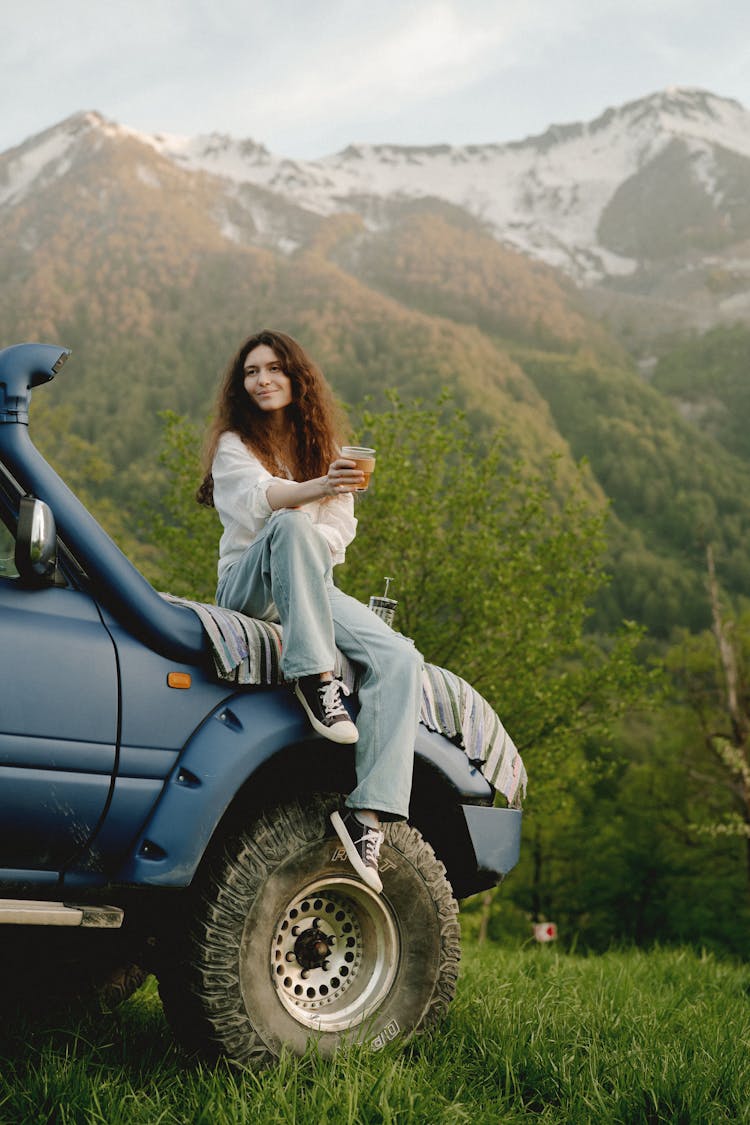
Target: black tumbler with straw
[(385, 607)]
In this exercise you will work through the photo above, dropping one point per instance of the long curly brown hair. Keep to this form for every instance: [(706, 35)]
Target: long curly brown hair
[(315, 420)]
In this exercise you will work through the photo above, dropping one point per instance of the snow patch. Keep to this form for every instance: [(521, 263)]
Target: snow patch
[(704, 169), (287, 245), (46, 160), (231, 232), (147, 176)]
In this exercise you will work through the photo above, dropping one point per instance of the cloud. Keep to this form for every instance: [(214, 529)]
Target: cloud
[(424, 51), (305, 76)]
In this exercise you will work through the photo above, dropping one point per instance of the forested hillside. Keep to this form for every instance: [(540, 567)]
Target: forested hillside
[(708, 379)]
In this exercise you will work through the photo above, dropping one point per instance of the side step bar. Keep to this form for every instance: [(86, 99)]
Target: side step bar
[(27, 912)]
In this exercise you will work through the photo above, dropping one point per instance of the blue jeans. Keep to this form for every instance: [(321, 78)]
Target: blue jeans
[(285, 575)]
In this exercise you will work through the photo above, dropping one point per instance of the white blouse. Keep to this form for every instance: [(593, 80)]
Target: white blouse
[(240, 486)]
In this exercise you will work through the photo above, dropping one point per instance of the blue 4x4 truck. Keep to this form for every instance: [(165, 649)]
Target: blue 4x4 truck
[(156, 819)]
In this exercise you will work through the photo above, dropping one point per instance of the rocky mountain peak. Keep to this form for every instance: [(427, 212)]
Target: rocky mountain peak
[(664, 178)]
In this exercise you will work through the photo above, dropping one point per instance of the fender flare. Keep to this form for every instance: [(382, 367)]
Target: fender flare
[(239, 737)]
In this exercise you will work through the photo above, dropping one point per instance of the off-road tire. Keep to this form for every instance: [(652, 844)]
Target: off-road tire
[(246, 978)]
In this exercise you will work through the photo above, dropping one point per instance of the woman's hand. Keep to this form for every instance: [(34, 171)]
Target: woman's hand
[(343, 476)]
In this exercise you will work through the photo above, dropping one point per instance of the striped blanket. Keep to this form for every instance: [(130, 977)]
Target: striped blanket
[(248, 651)]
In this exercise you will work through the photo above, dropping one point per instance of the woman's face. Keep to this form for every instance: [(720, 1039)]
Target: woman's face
[(265, 381)]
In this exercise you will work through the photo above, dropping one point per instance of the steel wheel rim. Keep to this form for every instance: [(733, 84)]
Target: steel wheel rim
[(332, 985)]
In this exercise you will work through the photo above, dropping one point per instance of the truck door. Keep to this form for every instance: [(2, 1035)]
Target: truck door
[(58, 720)]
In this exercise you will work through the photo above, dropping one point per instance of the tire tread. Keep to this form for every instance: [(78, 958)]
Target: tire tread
[(200, 983)]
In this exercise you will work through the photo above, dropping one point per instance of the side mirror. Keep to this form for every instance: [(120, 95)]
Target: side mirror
[(36, 542)]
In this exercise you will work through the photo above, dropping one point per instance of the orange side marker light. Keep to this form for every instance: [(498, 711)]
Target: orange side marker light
[(182, 680)]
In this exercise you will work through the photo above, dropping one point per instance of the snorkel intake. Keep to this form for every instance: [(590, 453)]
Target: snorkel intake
[(171, 630)]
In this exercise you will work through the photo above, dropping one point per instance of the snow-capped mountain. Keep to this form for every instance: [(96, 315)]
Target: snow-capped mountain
[(653, 189), (546, 195)]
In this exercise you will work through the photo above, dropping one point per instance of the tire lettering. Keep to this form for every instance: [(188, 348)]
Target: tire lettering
[(387, 1035)]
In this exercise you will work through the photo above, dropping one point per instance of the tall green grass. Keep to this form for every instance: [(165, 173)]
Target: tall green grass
[(534, 1035)]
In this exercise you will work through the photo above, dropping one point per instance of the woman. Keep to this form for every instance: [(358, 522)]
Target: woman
[(284, 497)]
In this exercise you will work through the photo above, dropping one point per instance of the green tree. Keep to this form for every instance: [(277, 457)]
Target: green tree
[(87, 471), (494, 567), (184, 536), (710, 673)]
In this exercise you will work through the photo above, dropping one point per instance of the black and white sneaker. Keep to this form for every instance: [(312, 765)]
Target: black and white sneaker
[(327, 714), (362, 846)]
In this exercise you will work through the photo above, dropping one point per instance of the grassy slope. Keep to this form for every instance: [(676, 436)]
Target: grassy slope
[(533, 1035)]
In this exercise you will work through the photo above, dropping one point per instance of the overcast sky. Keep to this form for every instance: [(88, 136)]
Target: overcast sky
[(307, 77)]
